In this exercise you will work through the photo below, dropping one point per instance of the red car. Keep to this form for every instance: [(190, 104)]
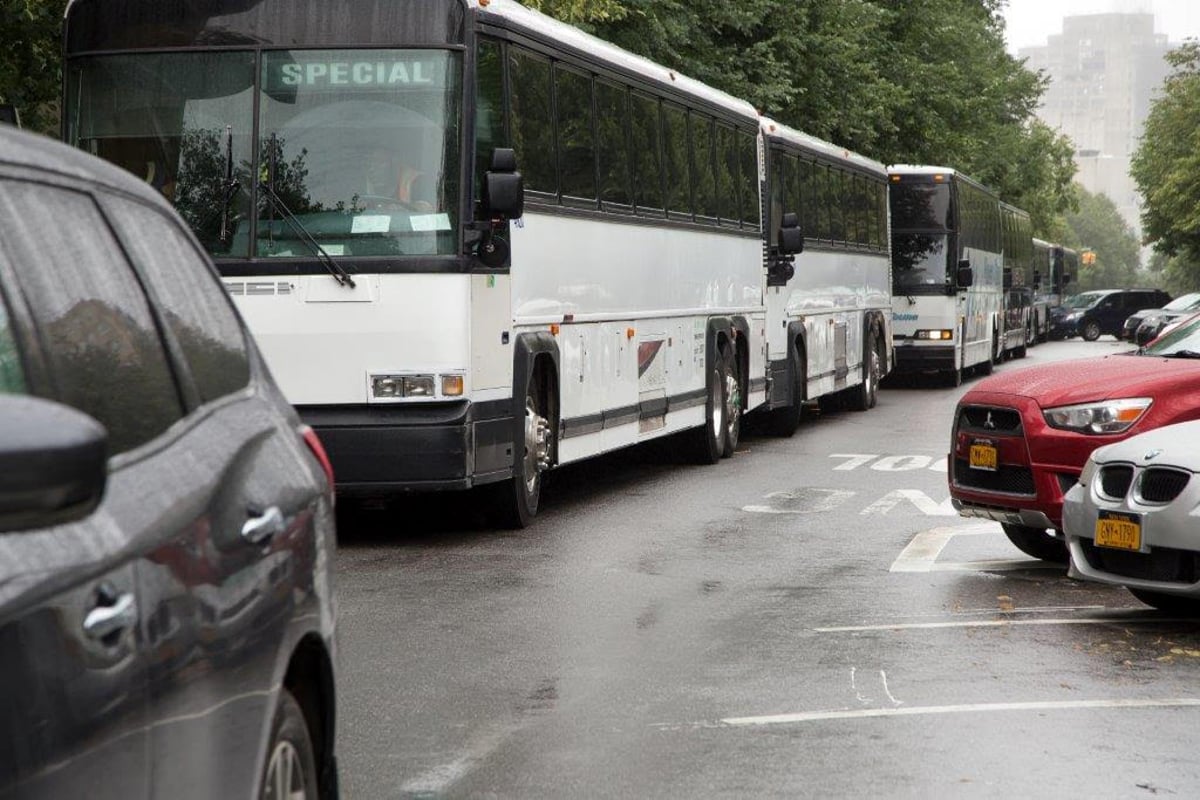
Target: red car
[(1020, 439)]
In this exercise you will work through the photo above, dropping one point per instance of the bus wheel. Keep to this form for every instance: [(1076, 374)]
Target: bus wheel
[(867, 393), (733, 402), (516, 501), (708, 440), (785, 420)]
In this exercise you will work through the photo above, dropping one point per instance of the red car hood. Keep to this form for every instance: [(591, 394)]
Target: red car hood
[(1067, 382)]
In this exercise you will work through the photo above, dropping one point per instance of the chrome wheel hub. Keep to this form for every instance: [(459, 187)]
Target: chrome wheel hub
[(285, 775), (537, 444)]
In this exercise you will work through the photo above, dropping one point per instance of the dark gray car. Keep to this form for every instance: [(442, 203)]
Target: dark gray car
[(166, 522)]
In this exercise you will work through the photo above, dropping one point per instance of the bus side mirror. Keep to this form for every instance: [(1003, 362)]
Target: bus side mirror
[(1037, 279), (1066, 279), (9, 115), (966, 276), (503, 186), (1008, 278), (791, 238)]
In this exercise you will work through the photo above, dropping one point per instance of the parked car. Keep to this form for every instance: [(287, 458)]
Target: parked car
[(1129, 520), (1157, 323), (1093, 314), (1019, 439), (1180, 306), (166, 522)]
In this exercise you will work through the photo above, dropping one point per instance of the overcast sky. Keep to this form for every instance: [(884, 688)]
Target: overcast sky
[(1030, 22)]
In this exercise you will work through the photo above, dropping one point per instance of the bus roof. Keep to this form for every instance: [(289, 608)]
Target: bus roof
[(777, 130), (513, 16), (929, 169)]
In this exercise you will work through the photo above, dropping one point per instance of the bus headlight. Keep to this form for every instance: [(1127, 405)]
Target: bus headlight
[(452, 385), (394, 387), (942, 335)]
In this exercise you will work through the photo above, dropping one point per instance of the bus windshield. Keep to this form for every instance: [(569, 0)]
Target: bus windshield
[(920, 206), (357, 149), (919, 263)]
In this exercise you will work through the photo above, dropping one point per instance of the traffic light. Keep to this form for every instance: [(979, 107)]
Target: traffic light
[(1088, 257)]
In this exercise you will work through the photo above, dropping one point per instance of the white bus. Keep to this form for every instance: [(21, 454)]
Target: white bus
[(351, 169), (1053, 266), (828, 312), (947, 271), (1016, 233)]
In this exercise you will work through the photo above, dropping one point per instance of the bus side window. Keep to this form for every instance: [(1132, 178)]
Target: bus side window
[(612, 126), (576, 142), (748, 153), (700, 128), (679, 186), (727, 175), (490, 124), (532, 120), (647, 156), (808, 199)]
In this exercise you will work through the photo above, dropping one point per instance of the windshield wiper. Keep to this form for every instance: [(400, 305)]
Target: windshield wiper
[(339, 273), (1182, 354), (231, 186)]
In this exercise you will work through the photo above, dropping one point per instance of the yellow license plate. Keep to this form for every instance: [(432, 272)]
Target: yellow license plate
[(984, 456), (1119, 531)]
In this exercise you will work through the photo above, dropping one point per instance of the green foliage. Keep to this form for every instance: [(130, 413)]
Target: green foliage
[(31, 60), (1098, 226), (1166, 166)]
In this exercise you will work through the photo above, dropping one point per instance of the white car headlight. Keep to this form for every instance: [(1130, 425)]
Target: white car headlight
[(1105, 416)]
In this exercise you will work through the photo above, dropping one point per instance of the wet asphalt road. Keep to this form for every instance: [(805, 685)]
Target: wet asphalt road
[(751, 629)]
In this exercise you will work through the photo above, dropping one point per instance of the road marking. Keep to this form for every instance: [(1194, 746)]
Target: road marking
[(965, 708), (887, 691), (900, 463), (802, 501), (437, 780), (994, 623), (922, 501), (921, 554)]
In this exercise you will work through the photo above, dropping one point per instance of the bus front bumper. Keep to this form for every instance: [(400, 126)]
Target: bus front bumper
[(415, 448), (911, 357)]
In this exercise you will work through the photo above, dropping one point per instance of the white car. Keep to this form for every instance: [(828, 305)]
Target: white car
[(1133, 519)]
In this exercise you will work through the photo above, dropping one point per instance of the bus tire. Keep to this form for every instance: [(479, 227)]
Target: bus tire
[(867, 393), (515, 501), (732, 379), (784, 421), (708, 441)]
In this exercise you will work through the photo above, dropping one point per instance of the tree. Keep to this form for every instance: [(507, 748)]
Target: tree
[(1099, 227), (1166, 164), (31, 60)]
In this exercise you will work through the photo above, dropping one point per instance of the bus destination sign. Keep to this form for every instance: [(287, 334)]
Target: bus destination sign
[(366, 74)]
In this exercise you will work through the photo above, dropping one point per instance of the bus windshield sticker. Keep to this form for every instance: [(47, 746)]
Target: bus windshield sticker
[(430, 222), (371, 223)]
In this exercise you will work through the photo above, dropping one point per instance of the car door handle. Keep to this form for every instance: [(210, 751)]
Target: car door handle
[(261, 529), (104, 621)]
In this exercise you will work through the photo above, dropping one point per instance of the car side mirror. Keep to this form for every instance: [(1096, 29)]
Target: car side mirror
[(503, 186), (791, 238), (966, 276), (1008, 278), (53, 463)]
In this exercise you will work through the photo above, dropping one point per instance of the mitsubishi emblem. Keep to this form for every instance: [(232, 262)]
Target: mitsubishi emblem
[(989, 423), (1151, 454)]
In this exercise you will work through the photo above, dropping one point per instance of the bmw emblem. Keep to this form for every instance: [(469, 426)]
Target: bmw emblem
[(1152, 454)]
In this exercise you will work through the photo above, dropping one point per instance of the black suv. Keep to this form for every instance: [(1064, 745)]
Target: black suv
[(166, 522), (1092, 314)]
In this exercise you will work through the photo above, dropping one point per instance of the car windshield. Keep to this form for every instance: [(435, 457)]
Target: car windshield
[(1180, 342), (1085, 300), (1184, 303)]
